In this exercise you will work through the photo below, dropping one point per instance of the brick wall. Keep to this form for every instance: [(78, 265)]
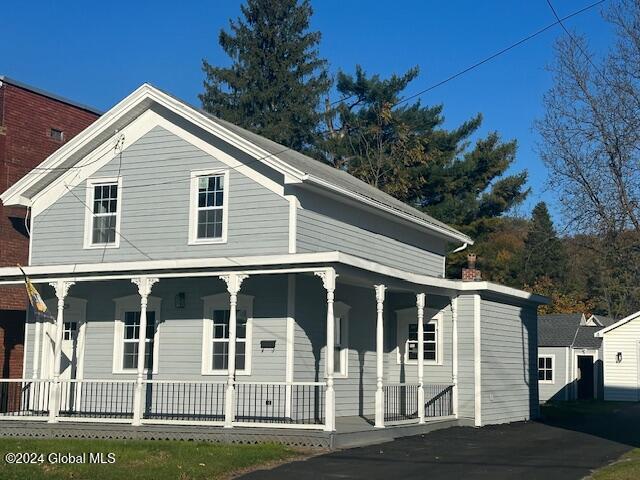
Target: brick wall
[(26, 120)]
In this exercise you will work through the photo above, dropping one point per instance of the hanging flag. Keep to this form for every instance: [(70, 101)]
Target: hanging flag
[(39, 307)]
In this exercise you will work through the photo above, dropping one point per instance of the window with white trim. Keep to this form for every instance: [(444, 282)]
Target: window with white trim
[(127, 334), (341, 339), (102, 221), (70, 330), (407, 336), (209, 198), (215, 347), (545, 369)]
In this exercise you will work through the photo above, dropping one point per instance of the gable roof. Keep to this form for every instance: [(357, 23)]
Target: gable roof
[(295, 167), (619, 323), (566, 330)]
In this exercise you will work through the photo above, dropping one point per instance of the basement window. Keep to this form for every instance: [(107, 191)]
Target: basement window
[(57, 135)]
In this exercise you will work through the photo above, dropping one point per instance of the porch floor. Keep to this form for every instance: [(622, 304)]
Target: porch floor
[(350, 432)]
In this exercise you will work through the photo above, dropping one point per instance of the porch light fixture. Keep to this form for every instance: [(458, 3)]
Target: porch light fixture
[(181, 300), (619, 357)]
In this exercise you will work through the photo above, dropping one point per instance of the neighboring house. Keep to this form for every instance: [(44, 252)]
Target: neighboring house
[(202, 274), (621, 354), (33, 124), (569, 356)]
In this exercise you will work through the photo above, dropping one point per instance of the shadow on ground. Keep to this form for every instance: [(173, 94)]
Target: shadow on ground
[(558, 447)]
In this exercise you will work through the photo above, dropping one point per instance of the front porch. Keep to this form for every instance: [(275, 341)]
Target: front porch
[(279, 348)]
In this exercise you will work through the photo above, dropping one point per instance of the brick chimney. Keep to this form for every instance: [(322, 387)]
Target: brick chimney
[(471, 273)]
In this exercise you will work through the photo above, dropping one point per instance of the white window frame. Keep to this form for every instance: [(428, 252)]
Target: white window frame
[(89, 215), (553, 368), (341, 310), (407, 316), (131, 303), (220, 301), (193, 207)]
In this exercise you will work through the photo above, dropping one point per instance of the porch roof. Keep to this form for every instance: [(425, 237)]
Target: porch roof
[(272, 264)]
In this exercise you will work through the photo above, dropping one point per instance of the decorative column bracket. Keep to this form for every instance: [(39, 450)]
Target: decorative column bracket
[(144, 284), (61, 288), (234, 282), (379, 414)]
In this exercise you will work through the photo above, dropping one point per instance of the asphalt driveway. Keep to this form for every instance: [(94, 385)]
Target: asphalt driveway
[(568, 448)]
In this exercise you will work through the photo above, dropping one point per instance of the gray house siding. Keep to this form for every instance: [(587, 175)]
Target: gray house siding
[(155, 219), (508, 362), (327, 225), (560, 388), (466, 369)]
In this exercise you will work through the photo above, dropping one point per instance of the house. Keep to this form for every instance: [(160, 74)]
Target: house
[(621, 359), (201, 274), (33, 124), (569, 356)]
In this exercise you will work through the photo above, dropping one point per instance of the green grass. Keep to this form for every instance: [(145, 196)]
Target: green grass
[(626, 468), (155, 460)]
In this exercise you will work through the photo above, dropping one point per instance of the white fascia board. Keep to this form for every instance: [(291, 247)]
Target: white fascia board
[(12, 275), (380, 206), (627, 319)]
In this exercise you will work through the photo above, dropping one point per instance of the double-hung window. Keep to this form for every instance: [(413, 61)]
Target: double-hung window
[(215, 346), (545, 369), (407, 336), (104, 203), (127, 333), (430, 341), (209, 199), (340, 339)]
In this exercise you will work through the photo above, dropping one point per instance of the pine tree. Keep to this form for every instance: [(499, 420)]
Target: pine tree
[(277, 78), (544, 254), (403, 149)]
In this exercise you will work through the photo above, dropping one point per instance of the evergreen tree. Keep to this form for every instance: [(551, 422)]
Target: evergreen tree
[(403, 149), (544, 254), (277, 78)]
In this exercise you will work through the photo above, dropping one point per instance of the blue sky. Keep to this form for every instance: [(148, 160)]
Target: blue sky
[(98, 52)]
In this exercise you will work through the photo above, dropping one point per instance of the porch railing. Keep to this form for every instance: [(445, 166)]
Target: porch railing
[(299, 403), (438, 400), (184, 401), (106, 399), (24, 398), (400, 401)]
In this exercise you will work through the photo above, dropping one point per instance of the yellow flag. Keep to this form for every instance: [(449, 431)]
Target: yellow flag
[(34, 297)]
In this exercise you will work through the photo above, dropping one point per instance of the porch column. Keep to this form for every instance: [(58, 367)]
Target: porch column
[(144, 285), (62, 288), (34, 400), (328, 277), (233, 281), (454, 354), (420, 301), (379, 420)]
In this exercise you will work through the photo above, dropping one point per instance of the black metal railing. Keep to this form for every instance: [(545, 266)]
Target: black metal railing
[(186, 401), (438, 400), (97, 398), (400, 402), (294, 403), (22, 398)]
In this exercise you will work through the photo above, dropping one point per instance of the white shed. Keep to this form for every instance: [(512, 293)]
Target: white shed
[(621, 352)]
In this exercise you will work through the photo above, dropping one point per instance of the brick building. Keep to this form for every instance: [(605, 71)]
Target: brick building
[(33, 124)]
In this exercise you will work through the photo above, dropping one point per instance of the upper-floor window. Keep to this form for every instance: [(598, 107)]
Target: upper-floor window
[(56, 134), (104, 202), (208, 215)]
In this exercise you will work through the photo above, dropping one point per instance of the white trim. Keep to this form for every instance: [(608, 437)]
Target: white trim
[(454, 353), (406, 316), (552, 356), (220, 301), (13, 275), (294, 204), (132, 303), (585, 352), (567, 368), (89, 215), (341, 310), (193, 206), (477, 360), (619, 323)]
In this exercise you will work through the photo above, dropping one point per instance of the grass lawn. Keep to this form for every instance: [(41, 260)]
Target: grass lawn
[(626, 468), (155, 460)]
